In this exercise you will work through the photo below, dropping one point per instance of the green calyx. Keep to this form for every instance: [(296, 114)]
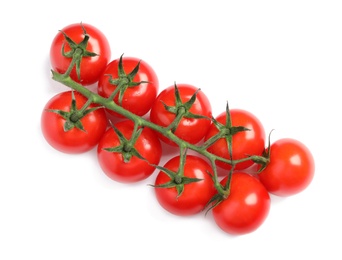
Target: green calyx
[(225, 131), (228, 129), (182, 110), (124, 81), (177, 179), (223, 191), (126, 146), (73, 117), (77, 52)]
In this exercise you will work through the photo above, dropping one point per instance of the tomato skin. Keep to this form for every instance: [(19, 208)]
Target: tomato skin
[(137, 99), (195, 196), (244, 143), (291, 168), (246, 207), (112, 163), (189, 129), (91, 67), (74, 140)]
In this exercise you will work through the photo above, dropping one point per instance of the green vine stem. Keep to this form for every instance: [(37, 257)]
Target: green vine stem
[(167, 132), (78, 51)]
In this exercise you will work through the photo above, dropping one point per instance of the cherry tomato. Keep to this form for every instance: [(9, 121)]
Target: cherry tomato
[(194, 196), (137, 89), (115, 163), (92, 65), (74, 140), (291, 168), (190, 128), (244, 143), (246, 207)]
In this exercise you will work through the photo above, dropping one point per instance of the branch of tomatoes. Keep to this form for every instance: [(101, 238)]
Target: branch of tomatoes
[(227, 131), (116, 80), (181, 110)]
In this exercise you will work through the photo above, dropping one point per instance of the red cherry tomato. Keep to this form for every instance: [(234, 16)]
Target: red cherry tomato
[(91, 67), (189, 129), (244, 143), (136, 169), (195, 195), (291, 168), (74, 140), (139, 90), (246, 207)]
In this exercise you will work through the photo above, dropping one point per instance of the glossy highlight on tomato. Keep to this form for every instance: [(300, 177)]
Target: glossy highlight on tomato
[(74, 140), (291, 168), (90, 67), (246, 207)]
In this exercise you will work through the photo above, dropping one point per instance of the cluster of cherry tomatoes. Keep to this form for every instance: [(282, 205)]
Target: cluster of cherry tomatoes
[(127, 119)]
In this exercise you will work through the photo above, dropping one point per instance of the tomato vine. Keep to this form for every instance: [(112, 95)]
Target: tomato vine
[(217, 146), (165, 131)]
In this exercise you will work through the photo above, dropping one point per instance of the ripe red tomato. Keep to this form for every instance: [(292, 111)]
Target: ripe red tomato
[(291, 168), (244, 143), (189, 129), (74, 140), (91, 67), (113, 163), (246, 207), (195, 195), (138, 89)]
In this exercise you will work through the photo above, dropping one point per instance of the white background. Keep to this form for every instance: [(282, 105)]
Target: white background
[(281, 60)]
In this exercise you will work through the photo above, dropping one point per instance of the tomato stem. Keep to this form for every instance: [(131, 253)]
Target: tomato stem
[(165, 131), (77, 52)]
